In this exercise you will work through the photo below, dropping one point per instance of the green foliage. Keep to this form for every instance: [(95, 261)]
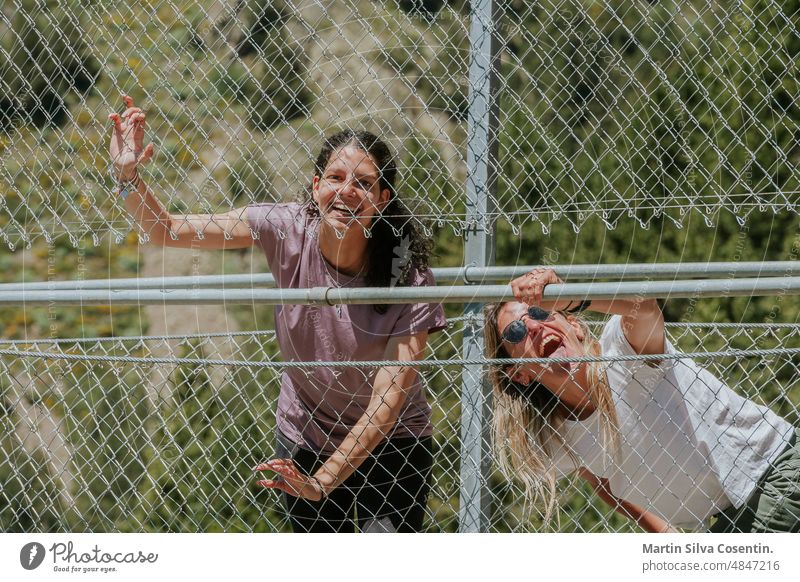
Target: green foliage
[(429, 9), (433, 56), (59, 261), (209, 433), (249, 179), (28, 499), (50, 64), (265, 73), (647, 105), (605, 109)]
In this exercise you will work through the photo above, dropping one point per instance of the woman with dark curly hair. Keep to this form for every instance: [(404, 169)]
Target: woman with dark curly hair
[(349, 439)]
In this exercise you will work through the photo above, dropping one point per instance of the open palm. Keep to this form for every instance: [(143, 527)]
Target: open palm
[(291, 480)]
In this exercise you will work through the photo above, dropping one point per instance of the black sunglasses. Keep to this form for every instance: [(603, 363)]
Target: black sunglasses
[(516, 331)]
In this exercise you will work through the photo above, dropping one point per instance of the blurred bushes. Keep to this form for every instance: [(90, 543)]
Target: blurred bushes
[(265, 73), (50, 63)]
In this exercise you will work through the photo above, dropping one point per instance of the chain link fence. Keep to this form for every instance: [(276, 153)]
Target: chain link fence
[(161, 433), (644, 109), (614, 112), (606, 109)]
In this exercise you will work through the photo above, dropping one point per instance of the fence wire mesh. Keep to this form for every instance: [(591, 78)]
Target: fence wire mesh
[(160, 433), (608, 109), (638, 109)]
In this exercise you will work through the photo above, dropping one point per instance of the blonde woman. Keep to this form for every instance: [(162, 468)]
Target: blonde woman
[(664, 442)]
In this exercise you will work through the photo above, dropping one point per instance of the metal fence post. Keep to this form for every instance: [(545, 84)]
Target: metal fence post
[(479, 252)]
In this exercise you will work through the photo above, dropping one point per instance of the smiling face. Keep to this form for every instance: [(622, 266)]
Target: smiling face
[(555, 337), (348, 192)]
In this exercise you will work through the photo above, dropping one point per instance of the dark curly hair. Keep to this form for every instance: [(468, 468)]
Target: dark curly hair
[(394, 233)]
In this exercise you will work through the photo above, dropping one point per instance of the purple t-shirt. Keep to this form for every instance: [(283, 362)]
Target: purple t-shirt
[(317, 407)]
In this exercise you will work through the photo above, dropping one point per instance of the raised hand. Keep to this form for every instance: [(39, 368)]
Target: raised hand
[(127, 142)]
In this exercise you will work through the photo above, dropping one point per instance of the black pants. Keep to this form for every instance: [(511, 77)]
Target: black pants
[(387, 493)]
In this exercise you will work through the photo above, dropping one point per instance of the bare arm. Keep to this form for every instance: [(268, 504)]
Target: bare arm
[(648, 521), (642, 320), (389, 393), (388, 396), (228, 230)]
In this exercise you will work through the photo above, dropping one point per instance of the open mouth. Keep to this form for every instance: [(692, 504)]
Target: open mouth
[(342, 211), (550, 345)]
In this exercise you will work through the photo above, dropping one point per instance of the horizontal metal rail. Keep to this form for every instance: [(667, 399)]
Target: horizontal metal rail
[(395, 295), (446, 275), (151, 360)]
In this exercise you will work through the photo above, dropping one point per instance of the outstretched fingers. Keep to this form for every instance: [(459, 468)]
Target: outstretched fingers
[(282, 468), (137, 123), (119, 131), (114, 117), (274, 484), (290, 479), (147, 155)]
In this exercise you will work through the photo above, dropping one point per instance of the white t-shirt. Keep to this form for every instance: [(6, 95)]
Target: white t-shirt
[(689, 446)]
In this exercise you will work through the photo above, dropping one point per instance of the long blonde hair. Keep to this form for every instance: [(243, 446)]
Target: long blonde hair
[(526, 419)]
